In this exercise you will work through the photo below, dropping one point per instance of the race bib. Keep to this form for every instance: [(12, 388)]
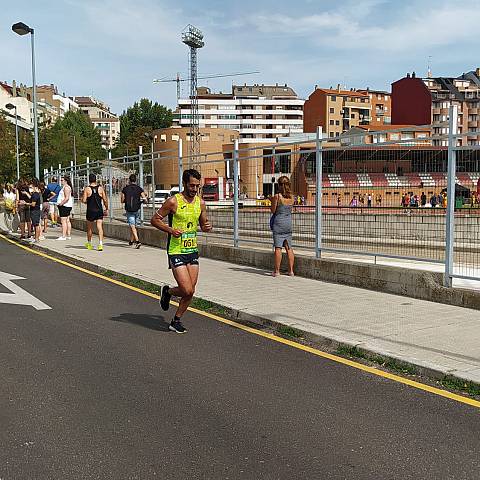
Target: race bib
[(189, 242)]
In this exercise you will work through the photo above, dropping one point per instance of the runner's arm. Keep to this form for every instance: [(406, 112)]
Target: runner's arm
[(104, 197), (205, 225), (169, 206), (84, 195)]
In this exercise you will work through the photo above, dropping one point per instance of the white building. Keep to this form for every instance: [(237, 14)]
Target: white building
[(260, 113), (24, 106)]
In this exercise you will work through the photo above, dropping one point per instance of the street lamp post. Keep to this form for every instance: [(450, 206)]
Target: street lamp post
[(10, 106), (152, 142), (23, 29)]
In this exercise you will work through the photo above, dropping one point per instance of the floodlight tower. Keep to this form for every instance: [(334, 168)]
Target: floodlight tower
[(193, 38)]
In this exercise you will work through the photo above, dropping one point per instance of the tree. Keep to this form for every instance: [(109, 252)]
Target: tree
[(8, 169), (56, 143), (143, 117)]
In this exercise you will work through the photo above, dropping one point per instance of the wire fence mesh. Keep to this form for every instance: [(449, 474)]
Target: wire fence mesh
[(380, 199)]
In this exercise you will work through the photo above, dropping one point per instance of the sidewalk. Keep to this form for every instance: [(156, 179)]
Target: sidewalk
[(433, 336)]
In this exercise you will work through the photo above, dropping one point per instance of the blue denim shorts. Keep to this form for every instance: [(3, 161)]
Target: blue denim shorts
[(133, 218)]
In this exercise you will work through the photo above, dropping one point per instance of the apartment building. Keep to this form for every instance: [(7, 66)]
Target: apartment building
[(260, 113), (381, 113), (425, 101), (48, 94), (336, 110), (102, 118)]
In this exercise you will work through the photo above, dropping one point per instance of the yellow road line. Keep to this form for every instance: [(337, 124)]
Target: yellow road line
[(305, 348)]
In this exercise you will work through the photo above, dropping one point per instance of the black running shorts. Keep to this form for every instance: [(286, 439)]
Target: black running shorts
[(175, 261)]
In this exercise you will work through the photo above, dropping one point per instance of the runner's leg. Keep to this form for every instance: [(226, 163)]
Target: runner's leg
[(186, 277), (100, 230), (89, 231)]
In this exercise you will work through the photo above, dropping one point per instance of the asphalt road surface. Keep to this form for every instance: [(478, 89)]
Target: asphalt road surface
[(95, 387)]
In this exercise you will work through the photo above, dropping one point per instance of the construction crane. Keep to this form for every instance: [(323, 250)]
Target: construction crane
[(179, 79)]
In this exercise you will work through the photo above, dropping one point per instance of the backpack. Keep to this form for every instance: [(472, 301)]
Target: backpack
[(132, 198), (9, 205)]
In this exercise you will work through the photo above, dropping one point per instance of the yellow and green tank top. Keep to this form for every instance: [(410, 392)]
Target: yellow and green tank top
[(186, 219)]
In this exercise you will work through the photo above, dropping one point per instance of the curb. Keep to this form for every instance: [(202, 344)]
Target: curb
[(356, 352)]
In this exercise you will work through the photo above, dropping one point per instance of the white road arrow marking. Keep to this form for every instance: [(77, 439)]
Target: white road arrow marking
[(19, 296)]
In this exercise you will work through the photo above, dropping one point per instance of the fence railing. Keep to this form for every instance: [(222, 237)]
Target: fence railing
[(387, 199)]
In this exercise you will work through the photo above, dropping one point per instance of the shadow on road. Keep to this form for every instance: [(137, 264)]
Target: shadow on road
[(152, 322)]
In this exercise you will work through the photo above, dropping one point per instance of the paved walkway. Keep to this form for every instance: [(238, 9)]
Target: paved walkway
[(431, 335)]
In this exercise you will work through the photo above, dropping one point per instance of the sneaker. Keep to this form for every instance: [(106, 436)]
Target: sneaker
[(100, 248), (69, 238), (165, 298), (177, 327), (41, 237), (130, 243), (62, 238), (88, 246), (137, 245)]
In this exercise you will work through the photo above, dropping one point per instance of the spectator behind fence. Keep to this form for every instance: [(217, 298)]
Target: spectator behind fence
[(132, 196), (281, 209), (65, 205)]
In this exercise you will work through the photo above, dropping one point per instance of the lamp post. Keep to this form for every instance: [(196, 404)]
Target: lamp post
[(11, 106), (22, 29)]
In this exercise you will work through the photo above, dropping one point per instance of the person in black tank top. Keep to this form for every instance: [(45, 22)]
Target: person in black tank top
[(95, 198)]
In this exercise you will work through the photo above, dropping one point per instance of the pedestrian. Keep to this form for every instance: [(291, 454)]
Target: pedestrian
[(65, 205), (281, 209), (96, 199), (46, 195), (433, 200), (55, 188), (133, 196), (23, 196), (369, 200), (9, 199), (185, 211), (35, 208)]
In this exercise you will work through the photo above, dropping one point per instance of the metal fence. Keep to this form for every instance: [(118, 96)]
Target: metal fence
[(388, 199)]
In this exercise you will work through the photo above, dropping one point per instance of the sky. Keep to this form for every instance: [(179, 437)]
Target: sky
[(113, 49)]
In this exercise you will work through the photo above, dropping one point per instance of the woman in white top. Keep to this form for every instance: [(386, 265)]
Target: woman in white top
[(65, 205), (9, 198)]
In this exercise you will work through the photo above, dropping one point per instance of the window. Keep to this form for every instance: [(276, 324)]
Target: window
[(334, 98), (332, 122), (353, 115), (337, 122), (331, 134), (332, 110)]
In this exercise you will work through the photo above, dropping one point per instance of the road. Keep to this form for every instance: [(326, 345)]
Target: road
[(97, 388)]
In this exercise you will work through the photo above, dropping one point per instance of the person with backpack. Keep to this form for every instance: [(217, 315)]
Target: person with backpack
[(95, 198), (133, 196)]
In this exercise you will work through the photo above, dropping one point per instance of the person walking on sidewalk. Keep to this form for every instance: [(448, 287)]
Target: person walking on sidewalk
[(95, 197), (23, 196), (185, 211), (46, 195), (132, 196), (10, 212), (281, 209), (65, 205)]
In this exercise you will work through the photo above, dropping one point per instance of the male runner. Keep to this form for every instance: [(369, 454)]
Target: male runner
[(94, 195), (184, 211)]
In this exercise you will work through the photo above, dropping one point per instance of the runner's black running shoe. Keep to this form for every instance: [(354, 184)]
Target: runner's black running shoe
[(165, 298), (177, 327), (137, 245)]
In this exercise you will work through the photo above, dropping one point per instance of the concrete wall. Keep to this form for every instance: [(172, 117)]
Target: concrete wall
[(412, 283)]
